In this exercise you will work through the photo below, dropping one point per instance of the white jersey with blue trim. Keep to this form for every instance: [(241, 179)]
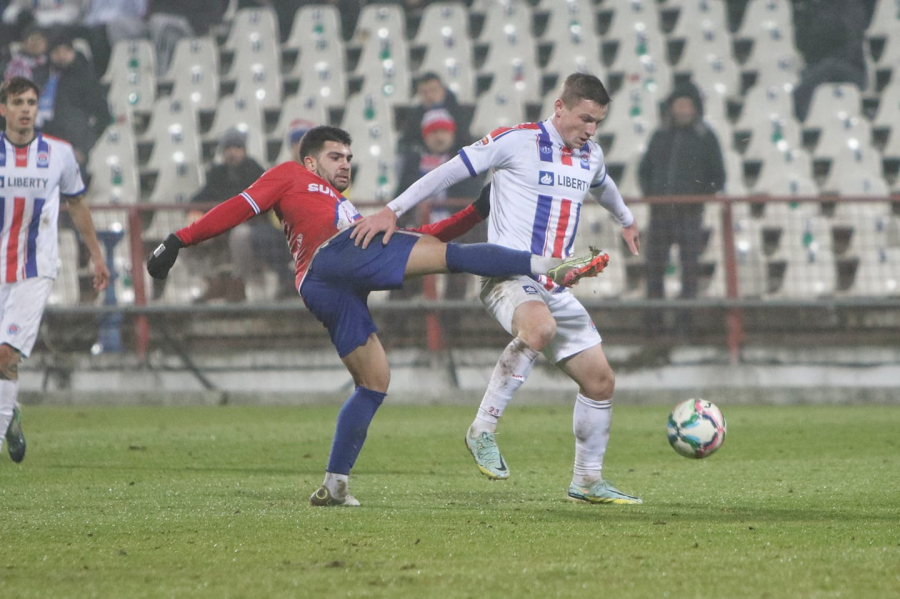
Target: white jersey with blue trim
[(538, 186), (32, 177)]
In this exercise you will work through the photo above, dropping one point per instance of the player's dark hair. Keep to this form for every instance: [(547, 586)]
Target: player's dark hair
[(313, 141), (16, 86), (582, 86)]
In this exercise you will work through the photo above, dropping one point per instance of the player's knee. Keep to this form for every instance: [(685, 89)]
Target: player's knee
[(9, 363), (602, 385), (539, 334)]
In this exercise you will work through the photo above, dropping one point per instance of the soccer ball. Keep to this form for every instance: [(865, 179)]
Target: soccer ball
[(696, 428)]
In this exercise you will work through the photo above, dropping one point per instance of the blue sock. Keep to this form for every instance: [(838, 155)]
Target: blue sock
[(487, 260), (352, 425)]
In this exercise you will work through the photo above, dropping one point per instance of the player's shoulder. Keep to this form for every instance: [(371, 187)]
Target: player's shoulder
[(55, 142), (515, 132)]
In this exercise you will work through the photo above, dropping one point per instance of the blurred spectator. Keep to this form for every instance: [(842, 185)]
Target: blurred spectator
[(438, 132), (31, 60), (259, 243), (223, 181), (432, 93), (830, 35), (109, 21), (73, 104), (682, 158)]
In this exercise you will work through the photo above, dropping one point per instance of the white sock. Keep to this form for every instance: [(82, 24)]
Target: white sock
[(590, 423), (9, 391), (540, 265), (337, 484), (512, 369)]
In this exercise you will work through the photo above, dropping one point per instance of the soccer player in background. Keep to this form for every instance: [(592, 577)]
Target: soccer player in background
[(542, 173), (335, 276), (35, 171)]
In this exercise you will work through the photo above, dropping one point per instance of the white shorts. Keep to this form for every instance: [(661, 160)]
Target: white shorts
[(21, 308), (575, 331)]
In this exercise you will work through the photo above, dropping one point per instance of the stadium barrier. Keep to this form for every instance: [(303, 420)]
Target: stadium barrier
[(761, 254)]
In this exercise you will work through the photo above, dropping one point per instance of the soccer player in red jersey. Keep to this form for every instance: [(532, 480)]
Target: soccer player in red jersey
[(335, 276)]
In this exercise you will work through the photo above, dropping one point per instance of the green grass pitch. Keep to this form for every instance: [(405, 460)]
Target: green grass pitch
[(801, 501)]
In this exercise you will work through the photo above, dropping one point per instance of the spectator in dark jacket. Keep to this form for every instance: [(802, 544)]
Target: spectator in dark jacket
[(75, 102), (683, 158), (213, 260)]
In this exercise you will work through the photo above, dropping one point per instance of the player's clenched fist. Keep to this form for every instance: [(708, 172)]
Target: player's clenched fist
[(163, 257)]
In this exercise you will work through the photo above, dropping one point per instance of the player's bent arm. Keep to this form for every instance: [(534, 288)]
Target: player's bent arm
[(81, 218), (610, 198), (223, 217), (462, 222), (385, 220)]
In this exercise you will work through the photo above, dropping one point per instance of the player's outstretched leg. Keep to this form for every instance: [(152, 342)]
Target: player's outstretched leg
[(15, 437), (574, 269)]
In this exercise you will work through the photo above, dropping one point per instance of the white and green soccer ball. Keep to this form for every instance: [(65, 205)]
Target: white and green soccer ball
[(696, 428)]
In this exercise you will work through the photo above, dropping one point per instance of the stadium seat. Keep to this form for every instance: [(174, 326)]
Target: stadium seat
[(194, 72), (774, 135), (444, 33), (597, 228), (250, 25), (705, 36), (771, 20), (376, 20), (364, 109), (503, 18), (173, 128), (638, 60), (132, 78), (749, 259), (576, 46), (628, 183), (309, 108), (787, 173), (763, 103), (855, 170), (320, 70), (65, 290), (112, 166), (514, 69), (692, 12), (734, 173), (888, 115), (832, 100), (806, 250), (877, 273), (839, 132), (885, 21), (244, 113), (256, 69), (314, 25), (177, 181), (374, 162), (632, 118), (384, 66), (495, 109)]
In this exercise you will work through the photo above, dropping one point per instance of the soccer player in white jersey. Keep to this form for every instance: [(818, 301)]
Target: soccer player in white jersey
[(35, 171), (542, 172)]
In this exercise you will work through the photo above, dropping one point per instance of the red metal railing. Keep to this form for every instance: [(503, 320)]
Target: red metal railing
[(734, 313)]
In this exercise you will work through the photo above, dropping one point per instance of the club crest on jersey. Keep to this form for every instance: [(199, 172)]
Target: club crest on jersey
[(585, 160), (13, 329), (43, 159), (546, 148), (545, 178), (530, 289)]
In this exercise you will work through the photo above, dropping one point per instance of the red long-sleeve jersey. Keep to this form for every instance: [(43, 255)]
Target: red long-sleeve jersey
[(310, 211)]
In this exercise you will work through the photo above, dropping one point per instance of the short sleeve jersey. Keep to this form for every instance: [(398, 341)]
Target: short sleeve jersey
[(310, 210), (32, 178), (539, 186)]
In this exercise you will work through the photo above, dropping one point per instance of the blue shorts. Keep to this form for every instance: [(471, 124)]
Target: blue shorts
[(340, 278)]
